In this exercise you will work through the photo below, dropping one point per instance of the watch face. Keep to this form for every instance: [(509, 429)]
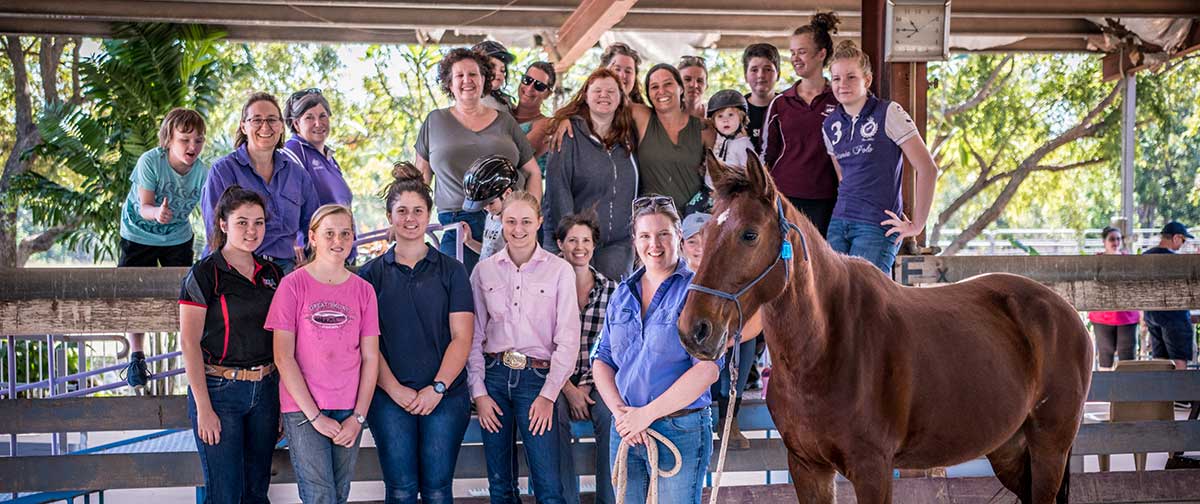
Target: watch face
[(918, 32), (439, 387)]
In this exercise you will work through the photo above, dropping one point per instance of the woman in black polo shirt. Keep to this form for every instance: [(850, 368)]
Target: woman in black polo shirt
[(426, 317), (233, 389)]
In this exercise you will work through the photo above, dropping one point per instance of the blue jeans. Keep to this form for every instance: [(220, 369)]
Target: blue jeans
[(601, 425), (238, 468), (323, 469), (418, 453), (449, 237), (692, 434), (865, 240), (514, 391)]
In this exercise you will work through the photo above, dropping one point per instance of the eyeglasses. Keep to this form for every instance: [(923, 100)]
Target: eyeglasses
[(540, 86), (257, 122), (304, 92), (653, 201)]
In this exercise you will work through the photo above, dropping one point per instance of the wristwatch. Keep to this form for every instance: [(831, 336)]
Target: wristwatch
[(360, 419), (439, 387)]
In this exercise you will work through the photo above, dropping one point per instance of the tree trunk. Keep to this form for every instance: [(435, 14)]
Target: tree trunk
[(8, 238)]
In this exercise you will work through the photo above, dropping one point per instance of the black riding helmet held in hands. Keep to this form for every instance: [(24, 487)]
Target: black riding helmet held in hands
[(486, 180)]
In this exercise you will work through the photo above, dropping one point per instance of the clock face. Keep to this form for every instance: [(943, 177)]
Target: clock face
[(918, 32)]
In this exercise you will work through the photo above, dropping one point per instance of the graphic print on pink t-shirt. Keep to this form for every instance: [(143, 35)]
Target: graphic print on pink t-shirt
[(328, 321)]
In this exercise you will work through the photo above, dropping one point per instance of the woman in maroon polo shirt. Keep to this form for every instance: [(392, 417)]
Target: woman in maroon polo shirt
[(792, 144)]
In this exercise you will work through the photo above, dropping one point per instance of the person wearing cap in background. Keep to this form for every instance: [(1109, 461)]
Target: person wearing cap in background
[(501, 58), (694, 71), (693, 252), (1172, 335), (488, 182)]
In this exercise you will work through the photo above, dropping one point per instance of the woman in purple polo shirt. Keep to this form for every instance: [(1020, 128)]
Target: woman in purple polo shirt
[(307, 114), (791, 143), (868, 140), (642, 371), (260, 164)]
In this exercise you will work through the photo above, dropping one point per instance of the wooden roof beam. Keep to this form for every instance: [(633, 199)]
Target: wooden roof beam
[(1075, 8), (1113, 62), (583, 28)]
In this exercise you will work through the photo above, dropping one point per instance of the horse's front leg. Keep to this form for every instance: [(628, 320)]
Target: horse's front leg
[(814, 484), (871, 475)]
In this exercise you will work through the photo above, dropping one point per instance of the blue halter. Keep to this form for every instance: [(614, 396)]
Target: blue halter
[(785, 256)]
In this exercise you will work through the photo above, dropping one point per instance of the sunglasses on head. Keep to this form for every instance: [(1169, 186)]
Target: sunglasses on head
[(304, 92), (540, 86), (653, 200)]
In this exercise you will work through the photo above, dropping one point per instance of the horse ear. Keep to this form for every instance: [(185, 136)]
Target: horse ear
[(759, 176), (716, 169)]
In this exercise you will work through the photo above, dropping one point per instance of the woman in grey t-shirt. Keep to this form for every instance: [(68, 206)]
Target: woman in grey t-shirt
[(454, 137)]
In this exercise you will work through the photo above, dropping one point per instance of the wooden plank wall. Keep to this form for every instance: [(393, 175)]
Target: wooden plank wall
[(1090, 283)]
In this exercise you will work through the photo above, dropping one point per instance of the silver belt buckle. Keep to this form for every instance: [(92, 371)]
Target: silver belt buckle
[(513, 360)]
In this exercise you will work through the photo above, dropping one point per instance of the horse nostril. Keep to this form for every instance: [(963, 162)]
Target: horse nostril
[(702, 331)]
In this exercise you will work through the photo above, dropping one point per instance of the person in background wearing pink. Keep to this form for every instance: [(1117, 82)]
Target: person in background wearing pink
[(525, 347), (1116, 331), (326, 323)]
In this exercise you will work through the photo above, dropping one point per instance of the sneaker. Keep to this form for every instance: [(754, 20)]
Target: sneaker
[(136, 373)]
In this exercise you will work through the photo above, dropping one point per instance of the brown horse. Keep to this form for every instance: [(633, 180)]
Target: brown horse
[(868, 375)]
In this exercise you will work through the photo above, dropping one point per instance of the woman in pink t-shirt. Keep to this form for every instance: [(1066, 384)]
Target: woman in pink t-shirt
[(1116, 331), (326, 325)]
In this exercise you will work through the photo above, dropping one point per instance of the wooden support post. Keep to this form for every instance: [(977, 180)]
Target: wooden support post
[(909, 88), (873, 23), (581, 31)]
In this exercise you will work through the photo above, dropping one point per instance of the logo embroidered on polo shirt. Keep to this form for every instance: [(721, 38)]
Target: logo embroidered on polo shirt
[(829, 110), (270, 282), (869, 129)]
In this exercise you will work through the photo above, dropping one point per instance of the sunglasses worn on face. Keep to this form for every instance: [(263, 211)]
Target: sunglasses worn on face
[(540, 86)]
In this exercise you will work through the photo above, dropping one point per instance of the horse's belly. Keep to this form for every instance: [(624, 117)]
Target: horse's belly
[(961, 437)]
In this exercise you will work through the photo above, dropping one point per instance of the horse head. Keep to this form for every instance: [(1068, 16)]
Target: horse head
[(747, 256)]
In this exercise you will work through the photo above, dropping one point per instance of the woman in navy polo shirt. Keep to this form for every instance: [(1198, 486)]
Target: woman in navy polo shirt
[(233, 389), (260, 164), (426, 316), (642, 371)]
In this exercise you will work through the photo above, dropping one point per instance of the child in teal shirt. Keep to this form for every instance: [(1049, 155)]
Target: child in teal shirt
[(155, 228)]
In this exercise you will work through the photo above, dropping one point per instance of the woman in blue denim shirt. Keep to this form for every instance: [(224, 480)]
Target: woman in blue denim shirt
[(642, 371)]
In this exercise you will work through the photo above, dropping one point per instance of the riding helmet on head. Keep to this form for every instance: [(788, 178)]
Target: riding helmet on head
[(493, 49), (726, 98), (486, 180)]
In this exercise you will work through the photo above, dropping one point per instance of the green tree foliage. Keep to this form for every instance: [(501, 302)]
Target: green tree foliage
[(1167, 171), (128, 87)]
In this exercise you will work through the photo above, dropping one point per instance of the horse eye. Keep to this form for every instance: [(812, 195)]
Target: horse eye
[(749, 236)]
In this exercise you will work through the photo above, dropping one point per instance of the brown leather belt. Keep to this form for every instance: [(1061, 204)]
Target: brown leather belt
[(240, 374), (684, 412), (518, 360)]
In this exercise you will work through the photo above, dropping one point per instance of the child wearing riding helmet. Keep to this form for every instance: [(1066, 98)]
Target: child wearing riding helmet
[(488, 182), (728, 111), (868, 140)]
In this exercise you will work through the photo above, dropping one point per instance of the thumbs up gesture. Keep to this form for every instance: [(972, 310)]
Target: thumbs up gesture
[(164, 212)]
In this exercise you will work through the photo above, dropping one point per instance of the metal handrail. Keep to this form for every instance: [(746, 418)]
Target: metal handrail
[(382, 235)]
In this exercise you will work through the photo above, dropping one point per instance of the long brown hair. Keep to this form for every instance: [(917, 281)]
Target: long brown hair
[(622, 126), (233, 198)]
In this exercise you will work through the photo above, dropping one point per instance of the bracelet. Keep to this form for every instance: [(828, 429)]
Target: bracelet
[(309, 420)]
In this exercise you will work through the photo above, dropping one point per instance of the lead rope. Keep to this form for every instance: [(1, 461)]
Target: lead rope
[(620, 474), (734, 353)]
